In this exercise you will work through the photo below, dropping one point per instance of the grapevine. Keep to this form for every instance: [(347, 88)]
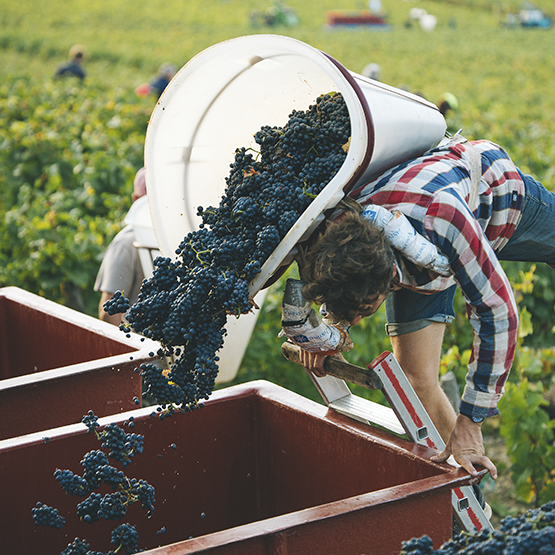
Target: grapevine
[(186, 303)]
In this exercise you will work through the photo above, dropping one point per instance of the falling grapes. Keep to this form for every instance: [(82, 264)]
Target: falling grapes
[(43, 515), (97, 470), (186, 303)]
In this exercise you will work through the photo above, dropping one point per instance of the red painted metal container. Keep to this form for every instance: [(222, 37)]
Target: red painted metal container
[(258, 470), (55, 362)]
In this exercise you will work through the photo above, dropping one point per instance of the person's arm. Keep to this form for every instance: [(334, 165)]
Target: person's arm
[(491, 306), (493, 315), (117, 272)]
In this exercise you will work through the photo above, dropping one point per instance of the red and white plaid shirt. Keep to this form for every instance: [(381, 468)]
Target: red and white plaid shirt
[(433, 191)]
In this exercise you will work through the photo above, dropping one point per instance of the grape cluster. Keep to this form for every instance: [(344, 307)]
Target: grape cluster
[(43, 515), (123, 537), (186, 302), (97, 471), (126, 536), (77, 547), (532, 533), (118, 304), (122, 446)]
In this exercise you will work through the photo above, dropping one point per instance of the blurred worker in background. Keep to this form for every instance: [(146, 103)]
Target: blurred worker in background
[(448, 105), (121, 268), (372, 71), (74, 66), (158, 85), (447, 101), (468, 206), (161, 81)]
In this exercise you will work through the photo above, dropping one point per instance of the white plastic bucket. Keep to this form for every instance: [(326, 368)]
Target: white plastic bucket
[(225, 94)]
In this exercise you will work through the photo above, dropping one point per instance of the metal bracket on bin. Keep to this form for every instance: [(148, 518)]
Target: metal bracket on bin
[(407, 416)]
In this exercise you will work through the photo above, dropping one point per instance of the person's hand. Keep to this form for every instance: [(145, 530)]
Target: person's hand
[(467, 447), (314, 362)]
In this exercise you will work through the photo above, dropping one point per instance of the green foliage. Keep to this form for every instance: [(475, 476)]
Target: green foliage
[(69, 155), (528, 434), (539, 300), (525, 426)]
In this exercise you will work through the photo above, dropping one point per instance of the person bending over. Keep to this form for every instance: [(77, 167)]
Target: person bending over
[(474, 207)]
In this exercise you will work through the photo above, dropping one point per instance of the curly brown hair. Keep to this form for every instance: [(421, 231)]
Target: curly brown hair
[(350, 265)]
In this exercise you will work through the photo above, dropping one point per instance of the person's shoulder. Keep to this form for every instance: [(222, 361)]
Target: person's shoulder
[(70, 68), (126, 234), (485, 145), (492, 153)]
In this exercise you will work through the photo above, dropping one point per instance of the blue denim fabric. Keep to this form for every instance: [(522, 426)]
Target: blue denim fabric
[(407, 311), (532, 241), (534, 238)]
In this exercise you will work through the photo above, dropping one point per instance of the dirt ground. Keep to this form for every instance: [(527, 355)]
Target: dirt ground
[(500, 493)]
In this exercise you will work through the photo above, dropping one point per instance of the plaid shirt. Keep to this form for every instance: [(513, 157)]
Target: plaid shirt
[(432, 191)]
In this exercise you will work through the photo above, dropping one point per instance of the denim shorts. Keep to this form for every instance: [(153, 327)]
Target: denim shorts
[(532, 241)]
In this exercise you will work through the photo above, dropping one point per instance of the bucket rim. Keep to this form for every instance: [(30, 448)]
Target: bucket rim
[(323, 68)]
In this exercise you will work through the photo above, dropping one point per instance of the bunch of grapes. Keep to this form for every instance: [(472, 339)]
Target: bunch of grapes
[(123, 537), (118, 304), (532, 533), (43, 515), (187, 301), (98, 471), (122, 446)]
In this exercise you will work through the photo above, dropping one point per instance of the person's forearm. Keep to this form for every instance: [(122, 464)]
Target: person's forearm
[(492, 356)]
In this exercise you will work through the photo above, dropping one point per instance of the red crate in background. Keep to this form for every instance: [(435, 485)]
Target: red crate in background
[(354, 18)]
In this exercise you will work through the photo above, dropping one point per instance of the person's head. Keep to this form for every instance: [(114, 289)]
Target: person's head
[(350, 268), (77, 53), (167, 71), (139, 185), (447, 101)]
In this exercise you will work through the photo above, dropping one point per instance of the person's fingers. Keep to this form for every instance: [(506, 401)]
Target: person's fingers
[(313, 363), (486, 463), (443, 456), (318, 366), (467, 465)]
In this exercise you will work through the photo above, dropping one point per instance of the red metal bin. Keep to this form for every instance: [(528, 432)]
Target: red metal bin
[(54, 361), (258, 470)]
